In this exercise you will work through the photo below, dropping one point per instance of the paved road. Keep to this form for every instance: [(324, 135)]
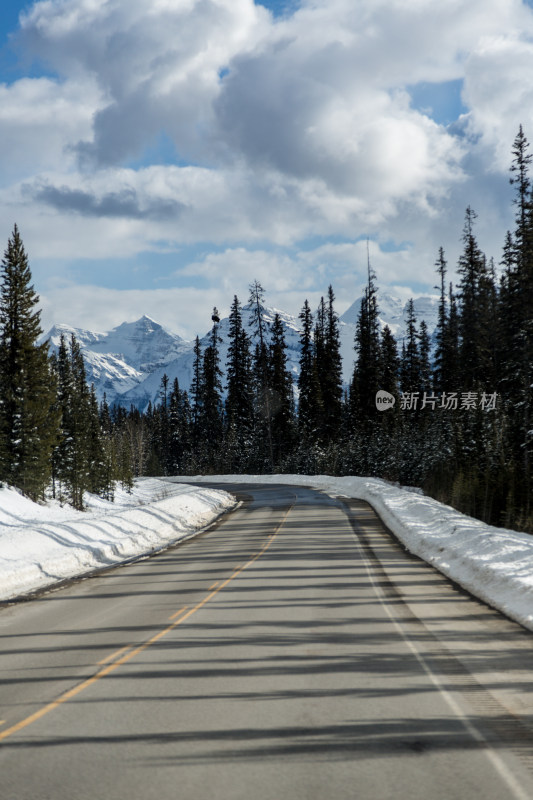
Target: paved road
[(293, 651)]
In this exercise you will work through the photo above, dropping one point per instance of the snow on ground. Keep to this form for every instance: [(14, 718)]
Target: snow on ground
[(43, 545), (494, 564)]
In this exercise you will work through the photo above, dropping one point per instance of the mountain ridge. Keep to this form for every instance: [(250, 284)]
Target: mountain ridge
[(126, 364)]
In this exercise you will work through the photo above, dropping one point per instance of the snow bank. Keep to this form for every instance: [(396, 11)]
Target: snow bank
[(494, 564), (43, 545)]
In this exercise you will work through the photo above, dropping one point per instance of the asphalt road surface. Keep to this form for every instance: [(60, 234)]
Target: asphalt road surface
[(293, 651)]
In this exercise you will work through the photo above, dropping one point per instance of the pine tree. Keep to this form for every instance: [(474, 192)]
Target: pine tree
[(517, 322), (28, 419), (281, 394), (180, 430), (211, 418), (411, 366), (197, 392), (389, 365), (240, 396), (474, 359), (450, 353), (79, 459), (365, 382), (388, 362), (425, 358), (442, 323), (239, 400), (309, 391), (100, 461), (330, 375), (261, 374)]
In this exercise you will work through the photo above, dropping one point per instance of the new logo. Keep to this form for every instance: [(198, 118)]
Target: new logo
[(384, 400)]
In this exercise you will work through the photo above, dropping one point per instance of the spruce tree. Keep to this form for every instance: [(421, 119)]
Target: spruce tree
[(309, 391), (281, 393), (442, 323), (331, 375), (474, 358), (197, 392), (411, 365), (211, 419), (80, 458), (261, 375), (28, 419), (365, 382), (179, 430), (517, 321), (240, 395), (425, 358)]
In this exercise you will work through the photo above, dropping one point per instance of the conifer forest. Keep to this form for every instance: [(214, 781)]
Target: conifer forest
[(460, 428)]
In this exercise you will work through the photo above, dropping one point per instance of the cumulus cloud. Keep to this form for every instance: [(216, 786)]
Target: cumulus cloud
[(40, 118), (284, 130), (158, 64)]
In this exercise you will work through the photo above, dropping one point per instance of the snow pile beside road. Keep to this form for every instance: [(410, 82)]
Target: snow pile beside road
[(43, 545), (494, 564)]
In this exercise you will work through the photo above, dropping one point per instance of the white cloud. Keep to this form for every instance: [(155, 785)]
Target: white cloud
[(287, 280), (284, 130), (499, 91), (158, 63), (185, 311), (40, 118)]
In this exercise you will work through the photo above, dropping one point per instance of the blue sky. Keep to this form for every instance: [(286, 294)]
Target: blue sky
[(157, 157)]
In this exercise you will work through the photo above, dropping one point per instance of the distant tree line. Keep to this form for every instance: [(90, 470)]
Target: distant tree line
[(460, 426)]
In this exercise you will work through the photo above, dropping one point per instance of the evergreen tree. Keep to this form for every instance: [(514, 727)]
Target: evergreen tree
[(100, 459), (161, 428), (309, 391), (474, 358), (197, 392), (389, 362), (425, 358), (389, 365), (211, 419), (239, 399), (261, 375), (80, 459), (450, 353), (28, 419), (330, 375), (442, 324), (366, 378), (411, 366), (180, 430), (517, 322), (281, 392)]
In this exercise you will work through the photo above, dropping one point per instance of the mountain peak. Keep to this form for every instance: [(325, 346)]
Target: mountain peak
[(128, 362)]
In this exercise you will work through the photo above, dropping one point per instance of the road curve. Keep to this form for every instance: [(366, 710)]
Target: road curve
[(293, 651)]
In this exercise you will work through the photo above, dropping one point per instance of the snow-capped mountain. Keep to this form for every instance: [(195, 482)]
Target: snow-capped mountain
[(127, 363), (181, 367), (120, 359), (393, 312)]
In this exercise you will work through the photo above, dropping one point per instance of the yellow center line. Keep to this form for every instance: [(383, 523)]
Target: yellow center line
[(128, 652), (177, 614), (213, 585), (114, 655)]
